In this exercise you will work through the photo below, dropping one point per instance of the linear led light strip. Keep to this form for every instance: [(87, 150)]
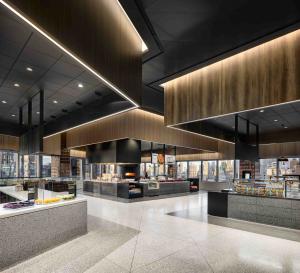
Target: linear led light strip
[(144, 46), (68, 52), (190, 132), (233, 113), (92, 121)]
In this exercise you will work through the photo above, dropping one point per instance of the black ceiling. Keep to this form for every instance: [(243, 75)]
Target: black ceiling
[(274, 120), (185, 34), (53, 71)]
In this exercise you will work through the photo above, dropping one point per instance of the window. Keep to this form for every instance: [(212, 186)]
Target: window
[(46, 166), (226, 170), (194, 169), (182, 170), (8, 164), (209, 171)]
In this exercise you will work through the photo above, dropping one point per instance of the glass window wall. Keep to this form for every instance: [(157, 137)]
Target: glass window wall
[(226, 170), (194, 169), (8, 164), (209, 171), (182, 170)]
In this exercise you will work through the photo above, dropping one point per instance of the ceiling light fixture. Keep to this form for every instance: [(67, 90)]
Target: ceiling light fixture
[(80, 85), (108, 83), (37, 113), (55, 101), (285, 127), (275, 120), (29, 69), (13, 115), (4, 101), (16, 85), (262, 111)]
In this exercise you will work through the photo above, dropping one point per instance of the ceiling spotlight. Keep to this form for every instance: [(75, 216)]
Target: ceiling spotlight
[(29, 69), (55, 101), (37, 113), (16, 85), (13, 115), (275, 120), (262, 110), (4, 101), (285, 127), (80, 85)]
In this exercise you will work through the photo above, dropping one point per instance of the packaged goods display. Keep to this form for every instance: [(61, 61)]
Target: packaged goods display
[(18, 205), (260, 188)]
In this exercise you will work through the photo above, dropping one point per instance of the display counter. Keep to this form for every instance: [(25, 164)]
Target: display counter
[(27, 231), (277, 211), (127, 189)]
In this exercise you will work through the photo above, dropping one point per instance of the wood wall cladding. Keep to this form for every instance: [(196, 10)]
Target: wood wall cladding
[(225, 151), (265, 75), (9, 143), (136, 124), (279, 149), (52, 145), (77, 153), (98, 32)]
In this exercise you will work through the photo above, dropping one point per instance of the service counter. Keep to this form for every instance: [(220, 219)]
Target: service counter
[(28, 231), (135, 189), (277, 211)]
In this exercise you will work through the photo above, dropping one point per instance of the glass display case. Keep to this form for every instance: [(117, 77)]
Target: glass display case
[(268, 188), (19, 193)]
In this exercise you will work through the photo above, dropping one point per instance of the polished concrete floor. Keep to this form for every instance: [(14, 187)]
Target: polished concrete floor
[(142, 237)]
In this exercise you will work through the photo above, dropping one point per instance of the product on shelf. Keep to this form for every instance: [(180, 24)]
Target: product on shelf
[(67, 196), (18, 205), (47, 201)]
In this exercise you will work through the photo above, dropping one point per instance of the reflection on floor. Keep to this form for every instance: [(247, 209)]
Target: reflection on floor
[(142, 237), (279, 232)]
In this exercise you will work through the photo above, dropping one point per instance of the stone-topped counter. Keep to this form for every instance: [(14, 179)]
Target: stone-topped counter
[(28, 231), (283, 212)]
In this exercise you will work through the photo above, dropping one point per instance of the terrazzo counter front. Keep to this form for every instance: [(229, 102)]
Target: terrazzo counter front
[(28, 231), (283, 212)]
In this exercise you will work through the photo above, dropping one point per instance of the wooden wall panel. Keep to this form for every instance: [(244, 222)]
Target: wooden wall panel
[(52, 145), (137, 124), (280, 149), (225, 151), (98, 32), (261, 76), (9, 143)]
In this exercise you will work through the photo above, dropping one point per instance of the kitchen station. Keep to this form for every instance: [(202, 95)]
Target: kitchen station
[(149, 136)]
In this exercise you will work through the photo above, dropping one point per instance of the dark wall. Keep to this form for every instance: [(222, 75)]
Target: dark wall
[(119, 151), (102, 152), (129, 151)]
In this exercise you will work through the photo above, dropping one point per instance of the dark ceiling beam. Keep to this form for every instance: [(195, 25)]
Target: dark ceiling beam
[(115, 52), (108, 105)]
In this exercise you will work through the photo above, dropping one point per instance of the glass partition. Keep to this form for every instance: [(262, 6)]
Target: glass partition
[(209, 171)]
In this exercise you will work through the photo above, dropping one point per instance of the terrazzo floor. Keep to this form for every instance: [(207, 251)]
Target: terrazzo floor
[(142, 237)]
